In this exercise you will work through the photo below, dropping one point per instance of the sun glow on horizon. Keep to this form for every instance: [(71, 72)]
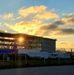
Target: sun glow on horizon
[(20, 31)]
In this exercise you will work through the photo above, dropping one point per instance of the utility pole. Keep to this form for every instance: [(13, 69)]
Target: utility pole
[(71, 56)]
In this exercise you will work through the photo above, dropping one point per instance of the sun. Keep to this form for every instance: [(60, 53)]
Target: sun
[(21, 39)]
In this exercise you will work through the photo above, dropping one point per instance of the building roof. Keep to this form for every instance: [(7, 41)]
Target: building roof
[(16, 35)]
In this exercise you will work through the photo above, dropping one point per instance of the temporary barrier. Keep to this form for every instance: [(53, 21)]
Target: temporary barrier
[(7, 51)]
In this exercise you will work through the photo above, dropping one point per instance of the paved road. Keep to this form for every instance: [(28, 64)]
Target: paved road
[(51, 70)]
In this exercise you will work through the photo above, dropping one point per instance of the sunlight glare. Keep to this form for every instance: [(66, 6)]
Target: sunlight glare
[(21, 39)]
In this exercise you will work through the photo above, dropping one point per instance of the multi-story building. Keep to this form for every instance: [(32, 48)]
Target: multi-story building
[(24, 41)]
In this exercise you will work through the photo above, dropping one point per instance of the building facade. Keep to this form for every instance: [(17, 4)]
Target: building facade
[(24, 41)]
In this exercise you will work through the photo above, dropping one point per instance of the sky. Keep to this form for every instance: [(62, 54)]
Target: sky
[(45, 18)]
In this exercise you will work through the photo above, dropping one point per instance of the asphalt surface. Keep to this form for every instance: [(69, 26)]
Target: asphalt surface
[(49, 70)]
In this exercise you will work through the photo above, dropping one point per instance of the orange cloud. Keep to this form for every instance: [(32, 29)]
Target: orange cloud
[(31, 10), (68, 18), (36, 27), (65, 45), (19, 17), (2, 30), (39, 12), (0, 23), (8, 16), (25, 27), (47, 15), (68, 21)]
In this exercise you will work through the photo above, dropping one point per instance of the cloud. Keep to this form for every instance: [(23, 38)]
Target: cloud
[(19, 17), (65, 44), (38, 12), (0, 23), (67, 31), (68, 18), (64, 32), (32, 27), (28, 27), (55, 29), (47, 15), (8, 16), (52, 26), (36, 27), (2, 30), (58, 22), (31, 10)]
